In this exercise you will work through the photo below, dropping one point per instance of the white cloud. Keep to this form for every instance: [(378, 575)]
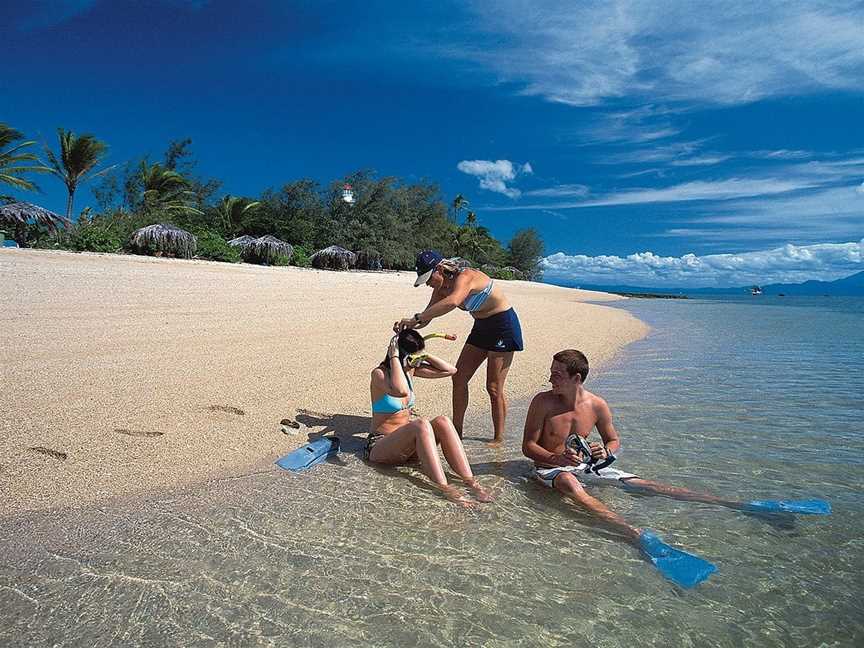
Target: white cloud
[(729, 189), (723, 53), (860, 189), (559, 191), (494, 176), (786, 264)]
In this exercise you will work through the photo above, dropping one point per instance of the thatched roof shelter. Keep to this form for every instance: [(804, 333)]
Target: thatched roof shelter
[(163, 240), (369, 260), (333, 258), (21, 213), (266, 250), (241, 241)]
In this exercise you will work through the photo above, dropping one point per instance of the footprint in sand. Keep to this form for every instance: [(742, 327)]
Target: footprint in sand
[(60, 456), (138, 433), (227, 408)]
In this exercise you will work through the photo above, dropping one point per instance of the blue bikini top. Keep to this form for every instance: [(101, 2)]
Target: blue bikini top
[(388, 404), (474, 302)]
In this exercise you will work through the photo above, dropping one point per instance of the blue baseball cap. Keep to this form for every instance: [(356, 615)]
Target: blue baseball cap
[(427, 261)]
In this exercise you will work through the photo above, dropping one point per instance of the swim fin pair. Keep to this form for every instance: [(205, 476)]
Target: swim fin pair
[(680, 567), (802, 507)]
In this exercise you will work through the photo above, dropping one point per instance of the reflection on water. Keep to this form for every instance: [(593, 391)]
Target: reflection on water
[(736, 399)]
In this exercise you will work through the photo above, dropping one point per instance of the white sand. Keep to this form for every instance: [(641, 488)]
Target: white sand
[(92, 344)]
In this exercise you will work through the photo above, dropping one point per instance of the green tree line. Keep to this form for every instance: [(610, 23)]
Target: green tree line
[(389, 221)]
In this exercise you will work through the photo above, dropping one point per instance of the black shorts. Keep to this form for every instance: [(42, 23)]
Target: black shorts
[(500, 332)]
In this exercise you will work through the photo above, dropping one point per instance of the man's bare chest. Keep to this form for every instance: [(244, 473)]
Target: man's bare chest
[(562, 425)]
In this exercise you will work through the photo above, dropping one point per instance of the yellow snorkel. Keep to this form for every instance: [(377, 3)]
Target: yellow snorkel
[(416, 359)]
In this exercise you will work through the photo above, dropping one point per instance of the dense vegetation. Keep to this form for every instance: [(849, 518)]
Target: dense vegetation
[(386, 225)]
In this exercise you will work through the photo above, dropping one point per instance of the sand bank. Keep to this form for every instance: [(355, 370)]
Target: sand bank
[(127, 375)]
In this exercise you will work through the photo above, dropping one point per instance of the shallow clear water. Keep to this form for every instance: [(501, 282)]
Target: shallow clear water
[(747, 399)]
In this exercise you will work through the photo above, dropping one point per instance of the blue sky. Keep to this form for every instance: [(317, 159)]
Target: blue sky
[(648, 142)]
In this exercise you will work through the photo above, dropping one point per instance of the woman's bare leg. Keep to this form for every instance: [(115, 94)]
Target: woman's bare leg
[(416, 437), (497, 367), (469, 360), (454, 453)]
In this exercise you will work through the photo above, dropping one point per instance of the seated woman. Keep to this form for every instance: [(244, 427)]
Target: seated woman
[(394, 437)]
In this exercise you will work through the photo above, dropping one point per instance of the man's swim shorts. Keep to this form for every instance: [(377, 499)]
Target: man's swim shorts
[(548, 475)]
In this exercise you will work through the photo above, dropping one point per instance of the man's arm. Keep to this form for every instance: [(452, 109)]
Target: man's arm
[(531, 447), (607, 431)]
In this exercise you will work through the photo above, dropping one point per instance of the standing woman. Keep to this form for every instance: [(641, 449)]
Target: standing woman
[(496, 334)]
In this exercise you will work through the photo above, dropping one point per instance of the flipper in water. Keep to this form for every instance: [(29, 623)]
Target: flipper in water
[(680, 567), (310, 454), (802, 507)]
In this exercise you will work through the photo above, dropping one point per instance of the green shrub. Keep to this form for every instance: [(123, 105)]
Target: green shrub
[(214, 247), (95, 238), (281, 260), (300, 257)]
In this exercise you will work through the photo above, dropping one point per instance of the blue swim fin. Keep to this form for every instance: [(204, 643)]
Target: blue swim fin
[(803, 507), (310, 454), (678, 566)]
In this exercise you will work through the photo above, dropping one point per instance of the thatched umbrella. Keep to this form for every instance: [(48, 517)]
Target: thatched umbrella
[(267, 249), (333, 258), (161, 239), (369, 260), (241, 242), (20, 213)]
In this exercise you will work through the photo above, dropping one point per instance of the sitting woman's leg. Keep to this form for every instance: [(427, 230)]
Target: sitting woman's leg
[(413, 438), (454, 453)]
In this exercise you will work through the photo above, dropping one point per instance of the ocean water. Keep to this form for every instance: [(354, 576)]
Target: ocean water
[(746, 398)]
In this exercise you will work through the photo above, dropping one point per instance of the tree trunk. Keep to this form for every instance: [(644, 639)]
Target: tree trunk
[(69, 204)]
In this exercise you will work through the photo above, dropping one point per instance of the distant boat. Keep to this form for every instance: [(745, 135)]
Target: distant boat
[(755, 290)]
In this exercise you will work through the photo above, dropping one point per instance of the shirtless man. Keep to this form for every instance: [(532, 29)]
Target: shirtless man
[(557, 417)]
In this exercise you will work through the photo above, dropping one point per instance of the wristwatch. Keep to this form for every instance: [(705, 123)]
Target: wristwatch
[(417, 318)]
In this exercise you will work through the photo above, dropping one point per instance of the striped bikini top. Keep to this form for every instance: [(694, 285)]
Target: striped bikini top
[(474, 302)]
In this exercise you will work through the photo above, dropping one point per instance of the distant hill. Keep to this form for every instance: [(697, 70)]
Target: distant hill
[(852, 285)]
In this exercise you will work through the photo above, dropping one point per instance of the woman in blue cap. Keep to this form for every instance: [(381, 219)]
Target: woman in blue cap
[(496, 334)]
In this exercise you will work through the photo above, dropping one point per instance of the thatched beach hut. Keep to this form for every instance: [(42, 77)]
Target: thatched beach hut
[(333, 258), (267, 249), (241, 242), (163, 240), (18, 214), (369, 260)]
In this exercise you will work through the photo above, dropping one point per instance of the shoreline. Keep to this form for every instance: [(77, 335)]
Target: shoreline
[(155, 374)]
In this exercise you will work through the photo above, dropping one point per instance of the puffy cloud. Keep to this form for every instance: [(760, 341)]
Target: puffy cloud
[(494, 176), (785, 264)]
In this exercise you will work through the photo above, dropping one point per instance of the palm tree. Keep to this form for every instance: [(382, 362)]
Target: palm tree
[(459, 203), (12, 156), (471, 219), (231, 208), (78, 156), (166, 190)]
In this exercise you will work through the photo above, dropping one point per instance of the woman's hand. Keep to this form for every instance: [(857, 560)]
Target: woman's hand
[(405, 324), (393, 349)]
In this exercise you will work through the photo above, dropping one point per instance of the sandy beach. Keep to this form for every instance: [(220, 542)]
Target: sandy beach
[(132, 375)]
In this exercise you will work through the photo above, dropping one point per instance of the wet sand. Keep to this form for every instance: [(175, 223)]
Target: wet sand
[(125, 375)]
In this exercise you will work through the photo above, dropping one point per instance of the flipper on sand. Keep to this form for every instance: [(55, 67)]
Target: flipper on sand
[(680, 567), (310, 454), (802, 507)]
